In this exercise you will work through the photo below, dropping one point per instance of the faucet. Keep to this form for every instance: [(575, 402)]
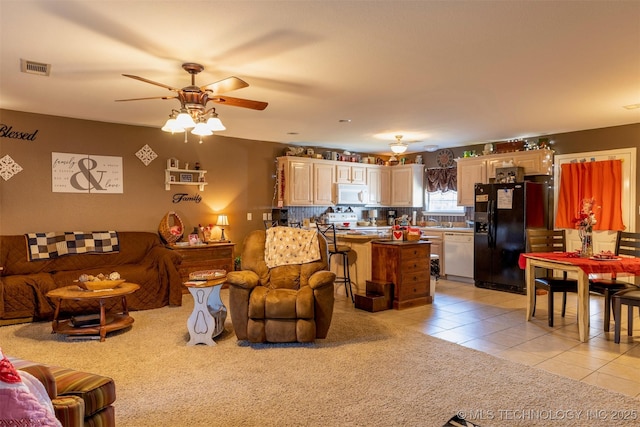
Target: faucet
[(434, 220)]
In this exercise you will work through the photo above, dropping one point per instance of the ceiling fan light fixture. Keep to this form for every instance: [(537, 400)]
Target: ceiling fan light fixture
[(215, 124), (398, 147), (185, 120), (202, 129)]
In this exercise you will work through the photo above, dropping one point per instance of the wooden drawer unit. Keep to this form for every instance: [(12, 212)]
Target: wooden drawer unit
[(214, 256), (406, 265)]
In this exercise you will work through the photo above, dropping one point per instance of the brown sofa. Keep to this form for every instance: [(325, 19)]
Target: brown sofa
[(142, 259), (287, 303), (79, 398)]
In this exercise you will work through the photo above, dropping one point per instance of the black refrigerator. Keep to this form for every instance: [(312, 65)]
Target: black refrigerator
[(502, 214)]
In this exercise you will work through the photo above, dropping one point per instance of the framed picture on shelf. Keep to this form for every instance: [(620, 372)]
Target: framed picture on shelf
[(186, 177)]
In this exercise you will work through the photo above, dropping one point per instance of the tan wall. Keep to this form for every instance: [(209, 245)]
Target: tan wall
[(239, 175)]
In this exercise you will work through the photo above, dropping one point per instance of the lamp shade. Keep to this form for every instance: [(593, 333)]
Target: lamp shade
[(215, 124), (201, 129), (185, 120), (172, 126), (222, 220), (398, 147)]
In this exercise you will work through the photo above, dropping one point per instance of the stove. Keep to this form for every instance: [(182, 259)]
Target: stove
[(343, 220)]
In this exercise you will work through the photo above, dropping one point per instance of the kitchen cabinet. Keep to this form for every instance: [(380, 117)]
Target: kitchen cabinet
[(470, 170), (350, 174), (304, 182), (379, 183), (480, 170), (322, 184), (407, 188), (406, 264), (534, 162)]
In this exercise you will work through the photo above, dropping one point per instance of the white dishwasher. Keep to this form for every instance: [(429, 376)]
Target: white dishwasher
[(458, 254)]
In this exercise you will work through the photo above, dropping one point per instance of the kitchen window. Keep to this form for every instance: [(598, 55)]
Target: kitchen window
[(439, 202), (441, 196)]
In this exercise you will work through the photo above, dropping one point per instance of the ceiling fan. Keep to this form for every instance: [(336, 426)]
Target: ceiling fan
[(193, 99), (196, 97)]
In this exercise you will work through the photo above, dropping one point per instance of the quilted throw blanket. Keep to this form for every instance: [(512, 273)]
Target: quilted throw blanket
[(53, 244), (287, 245)]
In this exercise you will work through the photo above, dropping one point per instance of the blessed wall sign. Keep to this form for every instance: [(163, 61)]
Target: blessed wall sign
[(6, 131)]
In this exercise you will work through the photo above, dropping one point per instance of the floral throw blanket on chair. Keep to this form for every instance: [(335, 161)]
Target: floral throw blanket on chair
[(288, 245)]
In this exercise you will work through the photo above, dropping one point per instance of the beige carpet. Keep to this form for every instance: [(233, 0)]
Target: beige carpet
[(366, 373)]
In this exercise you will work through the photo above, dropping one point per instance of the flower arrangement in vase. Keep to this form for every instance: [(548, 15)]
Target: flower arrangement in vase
[(584, 223)]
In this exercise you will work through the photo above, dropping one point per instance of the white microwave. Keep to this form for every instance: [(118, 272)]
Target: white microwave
[(351, 194)]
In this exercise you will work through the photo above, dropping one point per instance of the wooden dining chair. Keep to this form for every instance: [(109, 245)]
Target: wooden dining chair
[(627, 244), (631, 298), (542, 240)]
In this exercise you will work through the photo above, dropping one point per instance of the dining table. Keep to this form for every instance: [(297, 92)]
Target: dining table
[(582, 267)]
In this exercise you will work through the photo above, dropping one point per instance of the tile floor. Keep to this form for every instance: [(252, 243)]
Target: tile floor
[(494, 322)]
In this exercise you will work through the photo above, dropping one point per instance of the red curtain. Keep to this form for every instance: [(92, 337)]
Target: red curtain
[(601, 181)]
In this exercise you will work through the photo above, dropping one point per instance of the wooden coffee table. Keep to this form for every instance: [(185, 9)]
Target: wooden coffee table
[(107, 321)]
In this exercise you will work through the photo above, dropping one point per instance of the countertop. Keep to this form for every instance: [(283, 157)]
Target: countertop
[(364, 234)]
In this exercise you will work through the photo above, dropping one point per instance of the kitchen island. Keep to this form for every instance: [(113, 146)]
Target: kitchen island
[(360, 260), (406, 265)]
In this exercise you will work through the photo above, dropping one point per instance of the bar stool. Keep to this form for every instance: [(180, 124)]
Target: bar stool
[(329, 232)]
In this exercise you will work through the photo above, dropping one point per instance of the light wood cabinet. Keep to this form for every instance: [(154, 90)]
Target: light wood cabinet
[(405, 264), (534, 162), (304, 182), (299, 183), (379, 184), (322, 184), (473, 170), (470, 171), (350, 174), (407, 188)]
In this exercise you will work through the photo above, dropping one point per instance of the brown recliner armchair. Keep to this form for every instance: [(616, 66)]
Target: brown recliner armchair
[(286, 303)]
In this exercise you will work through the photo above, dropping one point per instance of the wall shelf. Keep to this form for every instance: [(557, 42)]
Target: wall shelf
[(197, 177)]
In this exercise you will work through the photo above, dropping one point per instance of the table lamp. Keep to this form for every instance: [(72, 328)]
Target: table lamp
[(222, 221)]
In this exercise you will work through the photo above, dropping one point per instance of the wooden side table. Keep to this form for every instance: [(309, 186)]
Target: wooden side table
[(107, 321), (209, 313), (212, 256), (406, 264)]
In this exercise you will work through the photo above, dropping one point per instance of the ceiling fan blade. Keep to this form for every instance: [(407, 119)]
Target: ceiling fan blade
[(152, 97), (225, 85), (239, 102), (142, 79)]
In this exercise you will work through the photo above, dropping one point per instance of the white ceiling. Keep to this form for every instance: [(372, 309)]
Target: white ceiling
[(446, 73)]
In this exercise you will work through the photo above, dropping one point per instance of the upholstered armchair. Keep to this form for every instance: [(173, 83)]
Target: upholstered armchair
[(284, 303)]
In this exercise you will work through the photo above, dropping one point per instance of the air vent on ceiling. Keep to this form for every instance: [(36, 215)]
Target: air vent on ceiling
[(31, 67)]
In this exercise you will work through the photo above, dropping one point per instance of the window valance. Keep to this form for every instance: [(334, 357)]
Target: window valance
[(441, 179)]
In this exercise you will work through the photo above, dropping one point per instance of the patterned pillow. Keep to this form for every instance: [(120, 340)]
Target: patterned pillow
[(23, 399)]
